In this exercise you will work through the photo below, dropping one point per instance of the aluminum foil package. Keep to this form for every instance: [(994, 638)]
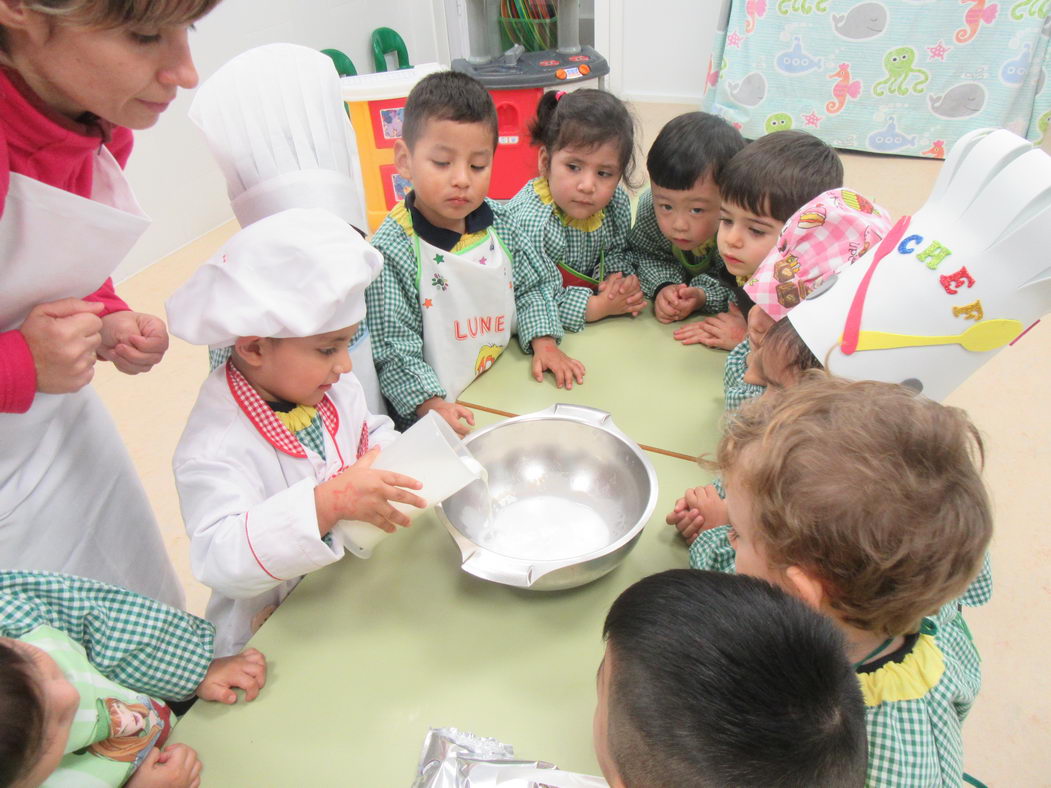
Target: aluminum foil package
[(456, 759)]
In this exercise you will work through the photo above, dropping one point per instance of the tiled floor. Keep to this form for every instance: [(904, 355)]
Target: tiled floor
[(1007, 733)]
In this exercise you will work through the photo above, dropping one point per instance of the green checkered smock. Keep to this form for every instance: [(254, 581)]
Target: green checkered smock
[(395, 318), (130, 639), (735, 390), (915, 706), (581, 245), (658, 261)]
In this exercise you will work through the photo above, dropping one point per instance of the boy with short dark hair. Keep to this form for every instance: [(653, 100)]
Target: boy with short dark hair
[(760, 188), (449, 295), (712, 679), (673, 238)]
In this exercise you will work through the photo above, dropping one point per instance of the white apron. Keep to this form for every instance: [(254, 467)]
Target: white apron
[(70, 499), (468, 306)]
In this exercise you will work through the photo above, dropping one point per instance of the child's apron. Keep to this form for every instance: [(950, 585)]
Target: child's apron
[(467, 301), (70, 499), (573, 278)]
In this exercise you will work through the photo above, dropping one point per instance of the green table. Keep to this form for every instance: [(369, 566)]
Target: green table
[(366, 655), (663, 394)]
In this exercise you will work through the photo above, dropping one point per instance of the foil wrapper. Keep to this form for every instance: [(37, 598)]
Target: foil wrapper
[(456, 759)]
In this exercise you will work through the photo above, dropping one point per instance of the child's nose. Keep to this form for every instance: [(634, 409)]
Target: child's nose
[(460, 175), (344, 364), (586, 183)]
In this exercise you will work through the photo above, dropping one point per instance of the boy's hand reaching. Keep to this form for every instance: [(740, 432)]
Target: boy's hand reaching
[(698, 510), (725, 330), (617, 295), (246, 671), (452, 412), (364, 493), (548, 356), (677, 302), (176, 766)]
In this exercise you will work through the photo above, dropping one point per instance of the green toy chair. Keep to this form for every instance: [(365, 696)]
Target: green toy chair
[(385, 41), (344, 65)]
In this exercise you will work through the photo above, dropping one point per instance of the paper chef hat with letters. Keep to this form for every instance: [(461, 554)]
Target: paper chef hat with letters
[(275, 121), (297, 273), (946, 289)]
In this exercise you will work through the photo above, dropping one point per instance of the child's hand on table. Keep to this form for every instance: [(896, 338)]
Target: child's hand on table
[(725, 330), (451, 412), (176, 766), (617, 295), (677, 302), (246, 671), (364, 493), (698, 510), (548, 356)]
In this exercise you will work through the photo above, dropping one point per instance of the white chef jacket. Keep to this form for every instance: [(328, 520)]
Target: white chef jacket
[(248, 502)]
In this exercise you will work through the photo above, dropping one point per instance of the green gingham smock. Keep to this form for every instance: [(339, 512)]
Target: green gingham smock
[(130, 639), (579, 244), (735, 390), (657, 261), (915, 699), (395, 318)]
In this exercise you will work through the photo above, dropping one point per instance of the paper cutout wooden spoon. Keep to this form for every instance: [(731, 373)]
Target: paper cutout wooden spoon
[(979, 338)]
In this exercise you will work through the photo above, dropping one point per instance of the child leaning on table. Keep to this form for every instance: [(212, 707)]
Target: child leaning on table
[(672, 241), (575, 217), (87, 675), (279, 445), (865, 500), (456, 282), (711, 679), (760, 188), (831, 231)]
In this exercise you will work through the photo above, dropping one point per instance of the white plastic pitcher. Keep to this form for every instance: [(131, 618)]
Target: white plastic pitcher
[(433, 454)]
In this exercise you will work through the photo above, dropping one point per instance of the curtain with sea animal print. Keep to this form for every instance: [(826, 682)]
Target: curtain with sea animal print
[(906, 77)]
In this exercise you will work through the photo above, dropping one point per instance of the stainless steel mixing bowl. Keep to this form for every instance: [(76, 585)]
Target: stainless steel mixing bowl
[(561, 458)]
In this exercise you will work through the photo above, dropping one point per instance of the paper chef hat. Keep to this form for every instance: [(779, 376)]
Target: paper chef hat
[(832, 230), (294, 274), (967, 275), (275, 121)]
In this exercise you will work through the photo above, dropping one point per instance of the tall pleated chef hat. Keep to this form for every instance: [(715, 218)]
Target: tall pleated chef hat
[(276, 123), (948, 288), (297, 273)]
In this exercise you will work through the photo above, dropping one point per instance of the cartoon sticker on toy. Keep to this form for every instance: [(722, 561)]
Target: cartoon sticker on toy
[(487, 356), (134, 728)]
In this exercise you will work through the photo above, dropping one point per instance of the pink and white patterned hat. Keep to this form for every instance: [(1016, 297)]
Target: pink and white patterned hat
[(831, 231)]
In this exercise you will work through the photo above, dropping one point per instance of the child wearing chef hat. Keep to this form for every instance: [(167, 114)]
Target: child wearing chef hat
[(279, 445), (275, 122)]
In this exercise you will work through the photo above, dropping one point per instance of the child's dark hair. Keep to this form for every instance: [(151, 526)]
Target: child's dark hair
[(783, 339), (22, 717), (690, 146), (721, 679), (777, 174), (586, 119), (447, 95)]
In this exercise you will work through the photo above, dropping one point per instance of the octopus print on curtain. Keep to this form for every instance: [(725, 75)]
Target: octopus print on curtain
[(907, 77)]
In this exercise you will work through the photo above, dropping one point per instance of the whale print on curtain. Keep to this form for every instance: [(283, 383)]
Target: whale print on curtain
[(907, 77)]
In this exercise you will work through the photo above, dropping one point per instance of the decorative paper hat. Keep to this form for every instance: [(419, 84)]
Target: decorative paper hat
[(294, 274), (832, 230), (275, 121), (967, 275)]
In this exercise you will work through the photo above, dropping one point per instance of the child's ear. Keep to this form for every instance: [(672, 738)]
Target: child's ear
[(251, 350), (16, 15), (806, 586), (403, 159), (543, 161)]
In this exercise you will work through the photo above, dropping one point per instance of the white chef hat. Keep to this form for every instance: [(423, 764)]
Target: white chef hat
[(275, 121), (947, 288), (297, 273)]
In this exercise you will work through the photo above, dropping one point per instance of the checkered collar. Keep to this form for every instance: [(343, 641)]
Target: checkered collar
[(263, 419)]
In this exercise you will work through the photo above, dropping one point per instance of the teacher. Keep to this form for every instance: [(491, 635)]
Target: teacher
[(75, 77)]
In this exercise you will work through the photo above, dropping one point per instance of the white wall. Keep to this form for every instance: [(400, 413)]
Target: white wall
[(174, 176), (658, 49)]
